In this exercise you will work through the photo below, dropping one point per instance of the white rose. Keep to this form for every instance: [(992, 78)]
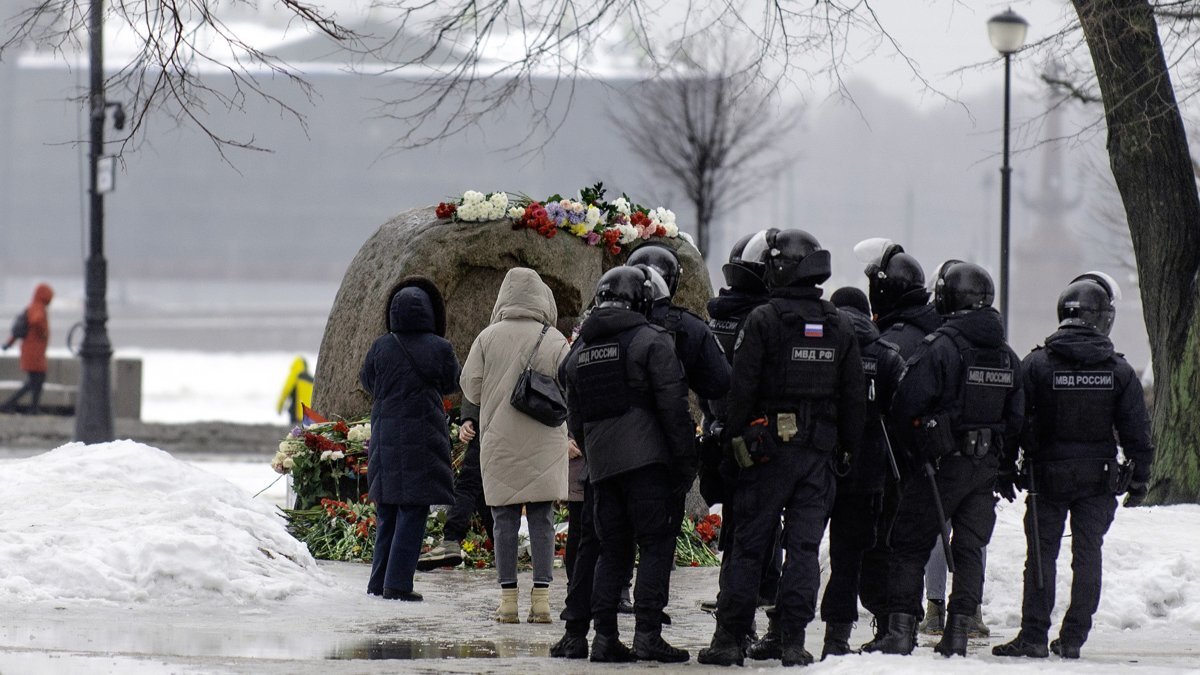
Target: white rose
[(325, 455), (516, 212), (288, 463), (664, 216), (336, 454), (622, 206), (359, 433), (472, 197), (628, 233), (672, 230)]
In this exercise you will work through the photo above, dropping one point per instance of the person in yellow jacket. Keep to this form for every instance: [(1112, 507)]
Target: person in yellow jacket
[(297, 391)]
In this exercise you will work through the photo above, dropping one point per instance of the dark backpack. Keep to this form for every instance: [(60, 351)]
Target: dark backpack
[(20, 325)]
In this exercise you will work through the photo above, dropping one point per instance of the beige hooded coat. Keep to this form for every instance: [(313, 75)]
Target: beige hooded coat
[(522, 460)]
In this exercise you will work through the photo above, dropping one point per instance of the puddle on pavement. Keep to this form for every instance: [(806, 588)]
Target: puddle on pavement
[(373, 649)]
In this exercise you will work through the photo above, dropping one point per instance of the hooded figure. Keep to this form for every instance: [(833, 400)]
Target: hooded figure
[(407, 372), (33, 349), (523, 461)]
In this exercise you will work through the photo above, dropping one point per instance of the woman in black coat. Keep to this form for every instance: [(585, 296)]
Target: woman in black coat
[(407, 372)]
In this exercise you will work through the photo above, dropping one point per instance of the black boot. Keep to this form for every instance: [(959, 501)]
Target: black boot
[(900, 638), (879, 631), (1020, 647), (724, 650), (837, 640), (954, 638), (1063, 649), (571, 646), (649, 645), (610, 649), (794, 653), (769, 646)]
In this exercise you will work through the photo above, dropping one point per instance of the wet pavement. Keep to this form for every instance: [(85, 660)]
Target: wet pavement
[(340, 629)]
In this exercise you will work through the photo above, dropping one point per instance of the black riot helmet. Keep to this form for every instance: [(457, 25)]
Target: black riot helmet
[(795, 258), (962, 287), (1088, 301), (894, 278), (626, 288), (747, 266), (662, 259)]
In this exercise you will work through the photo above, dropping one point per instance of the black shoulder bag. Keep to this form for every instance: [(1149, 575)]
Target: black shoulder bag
[(538, 395)]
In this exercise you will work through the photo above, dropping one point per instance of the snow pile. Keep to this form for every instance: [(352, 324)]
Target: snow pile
[(1151, 571), (124, 522)]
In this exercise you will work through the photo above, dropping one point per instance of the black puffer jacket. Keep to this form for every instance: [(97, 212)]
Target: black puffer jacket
[(656, 428), (407, 372), (1077, 390), (882, 368), (905, 327)]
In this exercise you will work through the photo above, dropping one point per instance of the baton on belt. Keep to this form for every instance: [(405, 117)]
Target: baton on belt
[(891, 455), (1036, 544), (941, 514)]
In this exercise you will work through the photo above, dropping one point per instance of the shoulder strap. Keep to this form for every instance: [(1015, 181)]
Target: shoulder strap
[(411, 361), (528, 361)]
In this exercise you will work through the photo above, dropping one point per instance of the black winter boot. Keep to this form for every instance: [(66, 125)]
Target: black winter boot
[(878, 630), (1020, 647), (724, 650), (571, 646), (954, 638), (649, 645), (901, 636), (1063, 649), (769, 646), (610, 649), (794, 653), (837, 640)]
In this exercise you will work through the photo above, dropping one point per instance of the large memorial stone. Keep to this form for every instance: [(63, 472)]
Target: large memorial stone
[(467, 261)]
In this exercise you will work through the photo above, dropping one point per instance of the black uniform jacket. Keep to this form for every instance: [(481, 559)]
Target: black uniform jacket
[(882, 368), (905, 327), (656, 427), (1077, 390)]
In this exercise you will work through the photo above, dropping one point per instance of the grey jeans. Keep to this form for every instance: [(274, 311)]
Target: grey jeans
[(541, 540), (935, 571)]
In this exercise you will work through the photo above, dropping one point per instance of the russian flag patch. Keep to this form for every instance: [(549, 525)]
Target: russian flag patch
[(814, 330)]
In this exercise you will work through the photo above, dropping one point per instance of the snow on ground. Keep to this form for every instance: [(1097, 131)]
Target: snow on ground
[(243, 388), (124, 522)]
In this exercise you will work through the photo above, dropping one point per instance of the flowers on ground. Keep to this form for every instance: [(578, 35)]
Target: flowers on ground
[(589, 217), (697, 542)]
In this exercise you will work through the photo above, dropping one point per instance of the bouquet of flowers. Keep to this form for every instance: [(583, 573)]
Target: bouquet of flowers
[(335, 530), (697, 542), (325, 460), (589, 217)]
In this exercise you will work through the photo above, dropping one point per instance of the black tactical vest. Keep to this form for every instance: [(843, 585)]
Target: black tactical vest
[(804, 371), (1078, 402), (987, 379), (600, 377)]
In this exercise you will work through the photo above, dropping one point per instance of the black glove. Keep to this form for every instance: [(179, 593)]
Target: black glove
[(685, 470), (1006, 485), (1136, 494)]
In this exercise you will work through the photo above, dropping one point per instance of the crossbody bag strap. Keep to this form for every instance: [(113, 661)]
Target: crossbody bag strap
[(411, 361), (529, 361)]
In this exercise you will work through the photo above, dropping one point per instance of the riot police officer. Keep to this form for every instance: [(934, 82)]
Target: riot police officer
[(961, 398), (745, 276), (1077, 392), (857, 522), (628, 411), (904, 315), (797, 400)]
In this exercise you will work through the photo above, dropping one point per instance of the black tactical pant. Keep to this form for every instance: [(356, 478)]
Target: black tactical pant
[(468, 497), (799, 483), (772, 558), (1091, 516), (632, 516), (852, 527), (873, 582), (966, 485)]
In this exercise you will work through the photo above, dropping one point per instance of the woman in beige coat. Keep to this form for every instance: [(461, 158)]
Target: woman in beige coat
[(524, 462)]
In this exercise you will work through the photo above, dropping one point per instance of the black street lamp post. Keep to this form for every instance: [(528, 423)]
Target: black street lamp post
[(93, 409), (1007, 34)]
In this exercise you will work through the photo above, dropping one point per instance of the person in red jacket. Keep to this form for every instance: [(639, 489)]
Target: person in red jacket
[(33, 350)]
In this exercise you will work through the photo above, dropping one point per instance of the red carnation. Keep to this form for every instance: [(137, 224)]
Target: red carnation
[(445, 210)]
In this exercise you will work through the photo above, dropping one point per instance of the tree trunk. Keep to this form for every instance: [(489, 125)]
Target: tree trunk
[(1150, 160)]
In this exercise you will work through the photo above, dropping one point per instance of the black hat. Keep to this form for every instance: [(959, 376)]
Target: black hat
[(852, 298)]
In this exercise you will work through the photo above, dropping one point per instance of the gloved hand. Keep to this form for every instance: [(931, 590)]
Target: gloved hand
[(685, 469), (1006, 485), (1136, 494)]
